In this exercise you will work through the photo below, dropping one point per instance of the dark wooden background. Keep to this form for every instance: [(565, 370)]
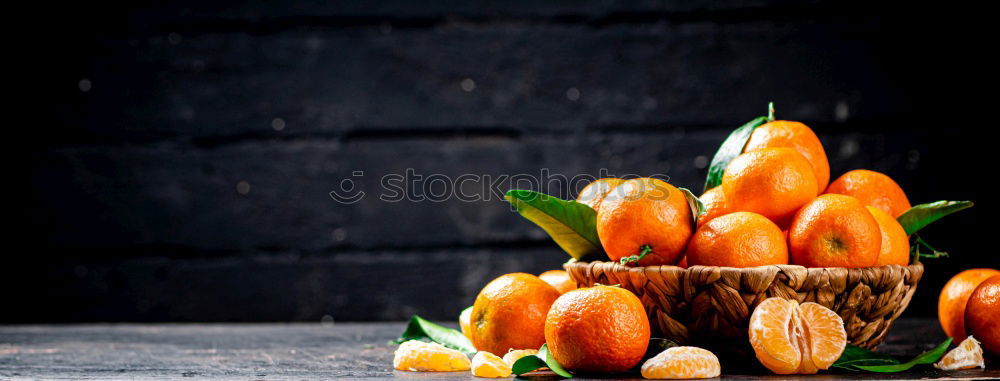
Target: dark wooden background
[(178, 156)]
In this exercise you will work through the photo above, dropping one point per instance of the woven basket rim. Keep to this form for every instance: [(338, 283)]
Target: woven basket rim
[(619, 266)]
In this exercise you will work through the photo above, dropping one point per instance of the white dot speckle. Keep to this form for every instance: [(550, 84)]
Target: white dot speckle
[(84, 85), (326, 320), (841, 111), (468, 85), (573, 94), (243, 187), (339, 234), (700, 161), (278, 124), (849, 148), (174, 38)]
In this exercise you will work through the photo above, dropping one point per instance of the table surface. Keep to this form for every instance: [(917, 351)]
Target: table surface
[(297, 351)]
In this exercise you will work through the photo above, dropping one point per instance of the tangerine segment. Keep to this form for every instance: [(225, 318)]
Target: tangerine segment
[(791, 338), (967, 355), (418, 356), (825, 330), (682, 362), (486, 364), (770, 336), (515, 354)]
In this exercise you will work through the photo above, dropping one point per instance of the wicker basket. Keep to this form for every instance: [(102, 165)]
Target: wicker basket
[(711, 306)]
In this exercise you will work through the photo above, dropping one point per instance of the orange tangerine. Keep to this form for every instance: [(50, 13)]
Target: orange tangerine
[(791, 338)]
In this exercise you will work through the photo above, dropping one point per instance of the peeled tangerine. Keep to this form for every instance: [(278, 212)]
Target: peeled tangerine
[(967, 355), (791, 338), (486, 364), (513, 355), (418, 356), (682, 362)]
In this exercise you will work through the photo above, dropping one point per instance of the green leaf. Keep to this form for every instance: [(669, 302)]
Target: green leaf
[(855, 355), (928, 357), (697, 207), (730, 149), (420, 329), (544, 354), (922, 215), (543, 359), (571, 224), (527, 364)]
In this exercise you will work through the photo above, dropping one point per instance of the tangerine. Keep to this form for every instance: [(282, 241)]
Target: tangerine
[(795, 135), (559, 279), (955, 296), (418, 356), (773, 182), (714, 201), (509, 313), (740, 239), (597, 329), (647, 218), (872, 188), (982, 314), (834, 231), (594, 193), (789, 337), (895, 247)]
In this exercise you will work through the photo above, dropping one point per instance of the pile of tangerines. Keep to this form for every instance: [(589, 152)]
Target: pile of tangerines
[(775, 205)]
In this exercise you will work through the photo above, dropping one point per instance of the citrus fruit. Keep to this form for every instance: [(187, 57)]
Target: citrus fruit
[(510, 313), (683, 263), (773, 182), (982, 314), (792, 338), (795, 135), (966, 355), (558, 279), (872, 188), (954, 297), (594, 193), (465, 322), (682, 362), (597, 329), (834, 231), (645, 217), (895, 244), (418, 356), (715, 205), (740, 239), (511, 357), (486, 364)]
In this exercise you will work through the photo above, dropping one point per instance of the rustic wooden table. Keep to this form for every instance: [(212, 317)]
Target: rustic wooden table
[(293, 351)]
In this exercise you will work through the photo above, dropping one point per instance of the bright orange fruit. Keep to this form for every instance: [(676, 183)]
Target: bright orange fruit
[(596, 191), (740, 239), (954, 298), (834, 231), (798, 136), (488, 365), (872, 188), (792, 338), (682, 362), (559, 279), (982, 314), (645, 214), (601, 329), (509, 313), (715, 205), (773, 182), (895, 247)]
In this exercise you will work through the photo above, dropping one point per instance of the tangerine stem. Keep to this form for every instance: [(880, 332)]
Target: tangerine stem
[(770, 111), (643, 251)]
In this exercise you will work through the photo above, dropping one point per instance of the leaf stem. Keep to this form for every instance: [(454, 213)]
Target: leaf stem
[(643, 251), (770, 111)]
